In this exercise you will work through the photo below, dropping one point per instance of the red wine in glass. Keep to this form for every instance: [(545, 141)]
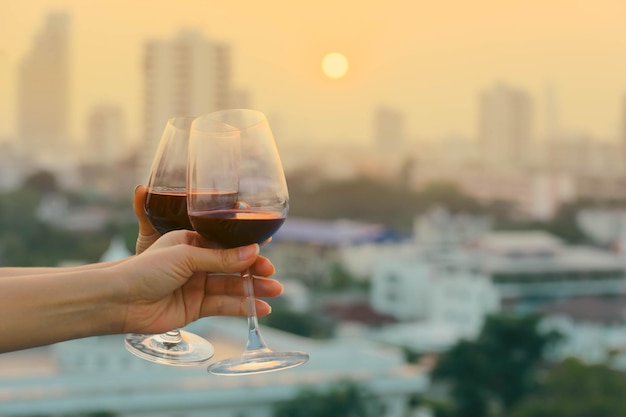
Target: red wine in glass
[(167, 210), (236, 227), (230, 223)]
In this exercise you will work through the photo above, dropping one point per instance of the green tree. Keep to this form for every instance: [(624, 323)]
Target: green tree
[(563, 224), (450, 196), (373, 200), (42, 181), (344, 399), (573, 389), (495, 371), (27, 241), (342, 279), (406, 172), (360, 199)]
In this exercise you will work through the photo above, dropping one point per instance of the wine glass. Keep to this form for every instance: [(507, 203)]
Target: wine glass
[(166, 209), (237, 195)]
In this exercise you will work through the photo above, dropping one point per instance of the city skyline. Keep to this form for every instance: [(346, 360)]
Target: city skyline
[(419, 59)]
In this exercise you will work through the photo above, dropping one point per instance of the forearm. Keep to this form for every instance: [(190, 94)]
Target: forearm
[(47, 308), (40, 270)]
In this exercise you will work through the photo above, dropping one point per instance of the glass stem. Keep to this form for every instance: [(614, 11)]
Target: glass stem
[(172, 337), (255, 340)]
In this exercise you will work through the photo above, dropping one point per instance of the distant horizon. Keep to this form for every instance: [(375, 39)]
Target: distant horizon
[(416, 58)]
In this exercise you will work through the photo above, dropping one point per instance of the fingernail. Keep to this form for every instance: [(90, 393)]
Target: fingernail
[(246, 252)]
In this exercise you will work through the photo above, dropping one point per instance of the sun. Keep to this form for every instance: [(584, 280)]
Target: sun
[(335, 65)]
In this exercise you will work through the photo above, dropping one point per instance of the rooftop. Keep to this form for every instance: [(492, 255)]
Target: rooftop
[(589, 309), (329, 232), (531, 252), (520, 242)]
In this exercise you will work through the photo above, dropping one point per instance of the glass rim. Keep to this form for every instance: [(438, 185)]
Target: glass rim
[(259, 118), (181, 122)]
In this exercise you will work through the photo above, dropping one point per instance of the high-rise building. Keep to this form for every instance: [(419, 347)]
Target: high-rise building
[(186, 76), (44, 90), (505, 125), (389, 129), (106, 141), (240, 99), (552, 126), (622, 132)]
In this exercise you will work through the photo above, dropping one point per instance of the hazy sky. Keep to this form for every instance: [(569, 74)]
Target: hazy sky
[(428, 58)]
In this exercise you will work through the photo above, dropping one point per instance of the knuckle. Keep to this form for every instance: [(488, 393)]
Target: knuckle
[(224, 259)]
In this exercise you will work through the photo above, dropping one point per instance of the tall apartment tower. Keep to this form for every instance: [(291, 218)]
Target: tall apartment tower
[(505, 125), (622, 131), (389, 129), (186, 76), (44, 90), (552, 130), (106, 135)]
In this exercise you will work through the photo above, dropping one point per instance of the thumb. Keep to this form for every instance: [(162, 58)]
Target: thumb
[(139, 200), (147, 234), (219, 260)]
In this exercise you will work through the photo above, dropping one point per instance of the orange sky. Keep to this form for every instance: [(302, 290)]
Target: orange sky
[(430, 59)]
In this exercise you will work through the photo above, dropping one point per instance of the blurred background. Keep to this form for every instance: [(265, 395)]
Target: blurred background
[(456, 239)]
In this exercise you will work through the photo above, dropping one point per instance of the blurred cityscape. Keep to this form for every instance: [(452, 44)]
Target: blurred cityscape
[(396, 253)]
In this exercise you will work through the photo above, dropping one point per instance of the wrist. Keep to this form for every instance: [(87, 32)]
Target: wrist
[(90, 302), (114, 304)]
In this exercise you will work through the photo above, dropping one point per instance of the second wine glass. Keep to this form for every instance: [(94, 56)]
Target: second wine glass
[(237, 195), (166, 209)]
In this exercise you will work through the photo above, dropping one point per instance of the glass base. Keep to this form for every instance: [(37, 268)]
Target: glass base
[(258, 362), (189, 351)]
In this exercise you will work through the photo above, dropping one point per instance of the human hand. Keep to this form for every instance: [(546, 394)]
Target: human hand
[(176, 282), (147, 234)]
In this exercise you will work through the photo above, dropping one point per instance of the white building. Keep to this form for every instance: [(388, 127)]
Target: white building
[(443, 230), (418, 284), (402, 288), (593, 329), (445, 294), (360, 259), (534, 265), (433, 299)]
